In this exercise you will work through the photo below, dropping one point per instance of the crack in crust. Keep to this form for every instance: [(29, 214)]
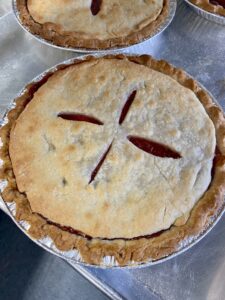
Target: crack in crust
[(138, 250), (52, 33)]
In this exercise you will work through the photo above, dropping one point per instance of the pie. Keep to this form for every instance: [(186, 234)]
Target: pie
[(119, 156), (214, 6), (96, 24)]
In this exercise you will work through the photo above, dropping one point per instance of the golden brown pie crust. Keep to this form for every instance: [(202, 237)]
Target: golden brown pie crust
[(52, 33), (142, 249), (206, 5)]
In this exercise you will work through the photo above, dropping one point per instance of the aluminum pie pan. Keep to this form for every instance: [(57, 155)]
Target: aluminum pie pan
[(161, 28), (74, 255), (206, 14)]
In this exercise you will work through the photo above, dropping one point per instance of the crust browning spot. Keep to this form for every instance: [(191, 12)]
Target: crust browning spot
[(64, 182), (88, 215)]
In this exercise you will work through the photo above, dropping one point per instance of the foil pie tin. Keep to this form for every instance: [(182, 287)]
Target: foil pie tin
[(74, 256), (207, 15), (161, 28)]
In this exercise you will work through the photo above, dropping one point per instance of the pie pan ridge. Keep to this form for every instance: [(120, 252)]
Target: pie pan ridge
[(121, 253)]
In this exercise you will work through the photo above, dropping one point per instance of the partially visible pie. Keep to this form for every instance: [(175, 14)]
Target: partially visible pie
[(120, 156), (96, 24), (214, 6)]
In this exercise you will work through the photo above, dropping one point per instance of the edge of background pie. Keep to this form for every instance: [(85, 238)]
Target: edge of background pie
[(52, 33), (206, 5)]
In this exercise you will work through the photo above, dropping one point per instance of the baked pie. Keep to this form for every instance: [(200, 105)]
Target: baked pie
[(96, 24), (214, 6), (115, 156)]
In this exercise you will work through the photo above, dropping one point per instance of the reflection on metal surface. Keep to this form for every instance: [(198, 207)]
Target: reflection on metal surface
[(3, 207), (5, 7), (97, 282), (160, 29), (216, 287)]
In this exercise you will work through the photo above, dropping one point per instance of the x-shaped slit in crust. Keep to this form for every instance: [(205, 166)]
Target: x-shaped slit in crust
[(95, 7), (79, 117), (97, 168), (127, 106), (143, 144), (153, 148)]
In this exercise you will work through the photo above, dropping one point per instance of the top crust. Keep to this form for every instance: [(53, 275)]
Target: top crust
[(71, 23), (132, 187)]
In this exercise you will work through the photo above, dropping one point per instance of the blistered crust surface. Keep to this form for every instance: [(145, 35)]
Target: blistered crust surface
[(71, 24), (134, 193), (116, 18)]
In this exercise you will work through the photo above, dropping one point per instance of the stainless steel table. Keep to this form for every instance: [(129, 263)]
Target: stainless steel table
[(194, 44)]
